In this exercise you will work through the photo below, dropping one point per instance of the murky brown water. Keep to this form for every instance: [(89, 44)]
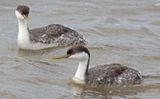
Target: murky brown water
[(124, 31)]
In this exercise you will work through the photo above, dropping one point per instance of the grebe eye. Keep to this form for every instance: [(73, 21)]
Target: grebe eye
[(25, 13), (69, 52)]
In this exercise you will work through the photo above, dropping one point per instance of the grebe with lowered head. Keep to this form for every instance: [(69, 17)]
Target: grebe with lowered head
[(44, 37), (103, 74)]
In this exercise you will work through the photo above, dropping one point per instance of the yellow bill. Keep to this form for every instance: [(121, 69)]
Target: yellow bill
[(60, 57), (26, 17)]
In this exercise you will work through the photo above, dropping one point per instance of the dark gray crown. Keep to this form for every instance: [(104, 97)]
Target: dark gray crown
[(77, 49), (24, 10)]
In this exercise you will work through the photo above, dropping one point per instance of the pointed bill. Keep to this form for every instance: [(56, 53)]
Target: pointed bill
[(26, 17), (60, 57)]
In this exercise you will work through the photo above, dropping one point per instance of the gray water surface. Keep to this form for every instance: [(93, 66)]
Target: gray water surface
[(121, 31)]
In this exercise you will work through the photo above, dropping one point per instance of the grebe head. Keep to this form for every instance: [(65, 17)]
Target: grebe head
[(81, 54), (22, 12), (78, 53)]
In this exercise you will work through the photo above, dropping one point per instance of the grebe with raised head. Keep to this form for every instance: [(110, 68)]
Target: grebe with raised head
[(52, 35)]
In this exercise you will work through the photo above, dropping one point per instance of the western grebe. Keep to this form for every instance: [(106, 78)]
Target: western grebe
[(103, 74), (44, 37)]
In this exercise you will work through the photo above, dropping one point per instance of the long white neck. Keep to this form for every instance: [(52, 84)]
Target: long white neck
[(23, 33), (80, 73)]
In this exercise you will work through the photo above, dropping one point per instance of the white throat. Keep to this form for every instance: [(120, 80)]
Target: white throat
[(79, 76), (23, 33)]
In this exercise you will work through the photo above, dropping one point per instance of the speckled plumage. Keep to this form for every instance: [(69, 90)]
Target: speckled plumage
[(102, 74), (52, 35), (56, 34), (113, 74)]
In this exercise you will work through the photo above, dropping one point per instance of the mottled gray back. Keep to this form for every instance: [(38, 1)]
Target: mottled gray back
[(112, 74), (55, 33)]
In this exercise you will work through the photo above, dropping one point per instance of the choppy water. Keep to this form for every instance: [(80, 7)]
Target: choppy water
[(122, 31)]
